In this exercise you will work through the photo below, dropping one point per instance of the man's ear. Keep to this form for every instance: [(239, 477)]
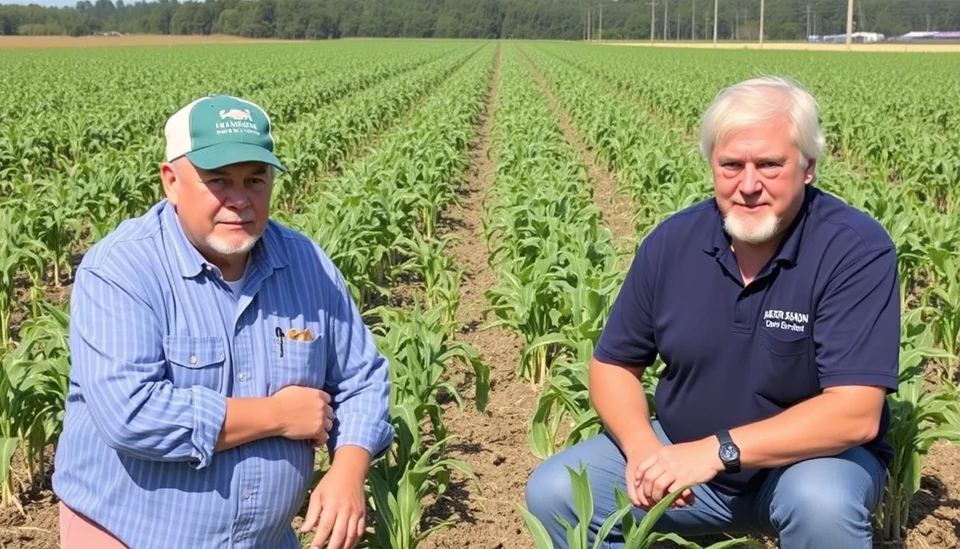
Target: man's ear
[(810, 173), (171, 183)]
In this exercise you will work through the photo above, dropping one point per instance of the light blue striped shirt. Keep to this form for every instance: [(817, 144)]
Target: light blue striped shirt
[(158, 341)]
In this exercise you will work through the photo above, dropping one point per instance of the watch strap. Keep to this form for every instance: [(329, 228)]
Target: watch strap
[(724, 437)]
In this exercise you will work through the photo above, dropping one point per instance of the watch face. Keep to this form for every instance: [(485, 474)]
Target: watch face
[(729, 452)]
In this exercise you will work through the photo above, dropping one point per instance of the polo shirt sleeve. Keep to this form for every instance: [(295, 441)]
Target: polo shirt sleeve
[(628, 338), (857, 324), (117, 361)]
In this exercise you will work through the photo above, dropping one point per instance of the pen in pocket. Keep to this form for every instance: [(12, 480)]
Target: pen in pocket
[(279, 332)]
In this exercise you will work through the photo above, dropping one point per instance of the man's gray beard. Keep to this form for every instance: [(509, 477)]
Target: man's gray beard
[(222, 247), (755, 233)]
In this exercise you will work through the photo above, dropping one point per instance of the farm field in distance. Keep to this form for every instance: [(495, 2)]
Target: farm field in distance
[(483, 200)]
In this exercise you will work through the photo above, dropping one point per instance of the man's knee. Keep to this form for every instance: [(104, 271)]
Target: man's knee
[(817, 504), (831, 498), (549, 491)]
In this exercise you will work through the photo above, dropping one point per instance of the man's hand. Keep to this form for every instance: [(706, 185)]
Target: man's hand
[(634, 459), (304, 413), (337, 507), (674, 466)]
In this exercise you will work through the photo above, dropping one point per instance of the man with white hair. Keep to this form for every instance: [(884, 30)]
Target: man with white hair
[(212, 351), (775, 308)]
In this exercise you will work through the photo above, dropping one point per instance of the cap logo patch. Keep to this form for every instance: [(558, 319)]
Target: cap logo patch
[(236, 114)]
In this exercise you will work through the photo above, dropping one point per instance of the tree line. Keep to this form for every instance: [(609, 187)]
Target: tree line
[(507, 19)]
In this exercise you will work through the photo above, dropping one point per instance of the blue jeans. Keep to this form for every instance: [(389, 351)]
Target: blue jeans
[(821, 503)]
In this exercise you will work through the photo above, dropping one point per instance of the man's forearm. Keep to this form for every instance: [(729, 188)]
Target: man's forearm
[(824, 425), (248, 419), (352, 461), (621, 402)]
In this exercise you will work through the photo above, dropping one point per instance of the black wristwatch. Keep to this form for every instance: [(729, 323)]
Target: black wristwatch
[(729, 452)]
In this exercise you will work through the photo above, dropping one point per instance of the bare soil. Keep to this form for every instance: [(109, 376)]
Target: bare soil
[(37, 526), (935, 511), (493, 442)]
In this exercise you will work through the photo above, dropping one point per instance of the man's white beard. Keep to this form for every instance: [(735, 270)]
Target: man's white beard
[(750, 230), (222, 246)]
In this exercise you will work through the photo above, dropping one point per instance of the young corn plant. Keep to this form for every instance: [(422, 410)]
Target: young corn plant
[(417, 343), (12, 254), (39, 370), (10, 428), (942, 299), (428, 262), (564, 415), (635, 535), (918, 419), (399, 482)]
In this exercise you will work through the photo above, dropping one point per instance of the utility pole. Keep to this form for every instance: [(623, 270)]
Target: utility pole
[(860, 21), (665, 2), (715, 23), (589, 25), (653, 19), (808, 21), (849, 23), (693, 22), (762, 2), (600, 34)]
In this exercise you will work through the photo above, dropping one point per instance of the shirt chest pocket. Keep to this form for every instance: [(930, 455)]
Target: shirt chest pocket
[(195, 361), (787, 372), (298, 363)]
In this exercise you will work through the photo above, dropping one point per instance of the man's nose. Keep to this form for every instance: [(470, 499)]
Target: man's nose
[(237, 197), (751, 182)]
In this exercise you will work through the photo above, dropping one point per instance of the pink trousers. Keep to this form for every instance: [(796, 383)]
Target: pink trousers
[(79, 532)]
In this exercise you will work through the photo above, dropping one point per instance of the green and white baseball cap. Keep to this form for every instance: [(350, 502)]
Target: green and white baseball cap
[(219, 130)]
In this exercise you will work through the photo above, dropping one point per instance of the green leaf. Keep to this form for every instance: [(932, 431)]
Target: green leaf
[(541, 539)]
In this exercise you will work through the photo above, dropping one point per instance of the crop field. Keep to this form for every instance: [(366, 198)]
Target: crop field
[(483, 200)]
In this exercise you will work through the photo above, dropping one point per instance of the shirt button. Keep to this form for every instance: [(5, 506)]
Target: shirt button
[(246, 494), (193, 360), (242, 377)]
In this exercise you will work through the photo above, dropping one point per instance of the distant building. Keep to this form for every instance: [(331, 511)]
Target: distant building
[(857, 37), (929, 35)]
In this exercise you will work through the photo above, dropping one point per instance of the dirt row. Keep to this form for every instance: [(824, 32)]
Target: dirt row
[(495, 443)]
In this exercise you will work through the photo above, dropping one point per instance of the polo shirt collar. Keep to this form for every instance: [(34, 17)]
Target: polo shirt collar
[(268, 250), (718, 241)]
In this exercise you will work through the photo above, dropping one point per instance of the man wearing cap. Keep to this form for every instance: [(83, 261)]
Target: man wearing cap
[(775, 308), (212, 350)]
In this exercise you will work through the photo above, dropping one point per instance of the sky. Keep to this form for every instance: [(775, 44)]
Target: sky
[(55, 3)]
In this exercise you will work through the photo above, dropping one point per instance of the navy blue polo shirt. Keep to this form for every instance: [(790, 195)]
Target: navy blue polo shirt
[(824, 311)]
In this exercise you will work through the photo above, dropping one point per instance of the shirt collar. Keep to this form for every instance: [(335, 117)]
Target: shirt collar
[(268, 250), (718, 242)]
